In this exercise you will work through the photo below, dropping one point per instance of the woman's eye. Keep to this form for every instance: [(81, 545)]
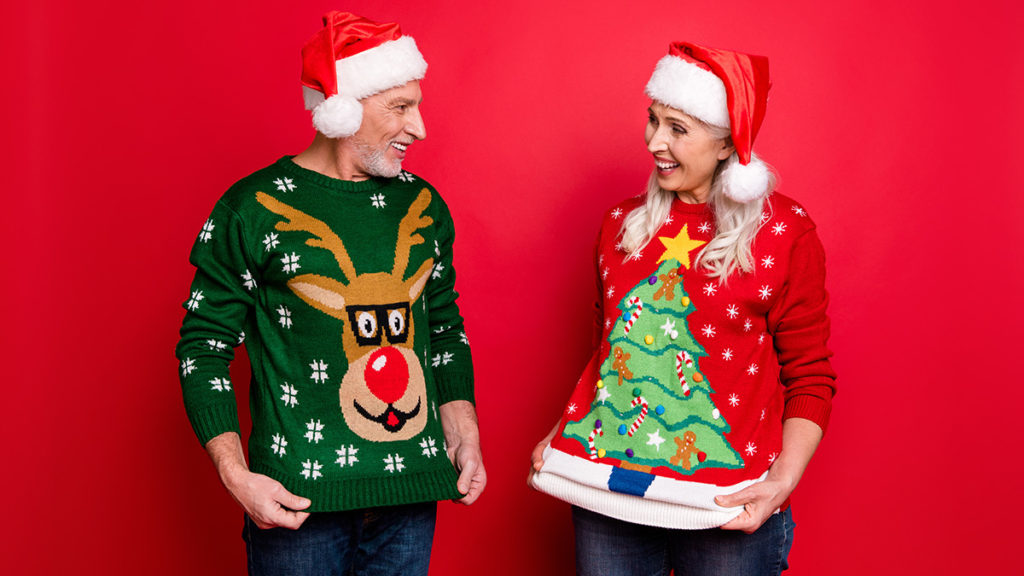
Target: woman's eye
[(367, 323), (678, 129)]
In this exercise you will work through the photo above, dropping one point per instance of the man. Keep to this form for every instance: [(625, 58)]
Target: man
[(335, 267)]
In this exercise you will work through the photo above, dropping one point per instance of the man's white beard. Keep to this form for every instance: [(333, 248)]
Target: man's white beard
[(376, 162)]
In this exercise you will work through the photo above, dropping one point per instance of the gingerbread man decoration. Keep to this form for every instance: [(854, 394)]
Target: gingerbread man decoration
[(686, 448), (668, 284), (619, 365)]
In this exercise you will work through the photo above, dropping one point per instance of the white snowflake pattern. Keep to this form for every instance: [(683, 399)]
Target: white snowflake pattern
[(762, 413), (747, 325), (187, 366), (764, 292), (603, 394), (442, 359), (734, 400), (220, 385), (772, 457), (617, 213), (284, 316), (194, 300), (438, 268), (635, 256), (284, 184), (704, 227), (279, 444), (767, 261), (752, 369), (708, 330), (710, 289), (668, 219), (463, 338), (207, 232), (778, 229), (761, 337), (241, 337), (291, 263), (393, 463), (290, 396), (346, 456), (600, 259), (314, 429), (610, 292), (437, 248), (311, 470), (607, 323), (429, 447), (751, 449), (378, 200), (732, 311), (727, 354), (270, 241), (319, 371), (248, 281), (217, 345), (405, 176), (604, 274), (571, 409), (441, 329), (765, 217), (799, 211)]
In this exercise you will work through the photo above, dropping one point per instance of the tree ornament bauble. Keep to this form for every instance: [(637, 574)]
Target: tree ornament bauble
[(701, 456), (338, 116)]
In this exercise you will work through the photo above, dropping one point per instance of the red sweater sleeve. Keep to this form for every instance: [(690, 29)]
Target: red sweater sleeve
[(800, 328)]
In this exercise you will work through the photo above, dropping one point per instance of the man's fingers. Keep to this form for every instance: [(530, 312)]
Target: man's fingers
[(737, 499), (291, 501), (537, 457), (466, 474)]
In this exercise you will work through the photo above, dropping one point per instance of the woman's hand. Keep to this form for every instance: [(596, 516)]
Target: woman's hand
[(759, 501), (537, 456), (800, 438)]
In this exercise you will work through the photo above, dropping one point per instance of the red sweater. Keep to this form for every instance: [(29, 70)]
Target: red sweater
[(691, 380)]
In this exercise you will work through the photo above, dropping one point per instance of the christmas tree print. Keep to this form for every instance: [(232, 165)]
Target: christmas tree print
[(653, 405)]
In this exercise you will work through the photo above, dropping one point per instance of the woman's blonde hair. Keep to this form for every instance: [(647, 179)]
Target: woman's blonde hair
[(736, 223)]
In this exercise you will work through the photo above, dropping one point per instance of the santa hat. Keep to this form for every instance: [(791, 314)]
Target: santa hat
[(722, 88), (349, 59)]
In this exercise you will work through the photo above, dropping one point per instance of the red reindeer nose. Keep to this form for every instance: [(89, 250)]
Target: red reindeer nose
[(387, 374)]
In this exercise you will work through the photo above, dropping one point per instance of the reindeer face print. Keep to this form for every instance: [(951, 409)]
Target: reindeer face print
[(383, 395)]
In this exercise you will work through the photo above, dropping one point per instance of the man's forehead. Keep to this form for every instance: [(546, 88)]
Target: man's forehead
[(408, 93)]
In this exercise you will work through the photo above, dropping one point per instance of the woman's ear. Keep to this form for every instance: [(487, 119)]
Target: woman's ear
[(727, 149)]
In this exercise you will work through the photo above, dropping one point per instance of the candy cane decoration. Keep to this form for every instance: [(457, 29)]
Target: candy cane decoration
[(590, 439), (679, 370), (636, 313), (639, 400)]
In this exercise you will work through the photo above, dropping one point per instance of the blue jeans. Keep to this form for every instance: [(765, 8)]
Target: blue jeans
[(609, 547), (392, 540)]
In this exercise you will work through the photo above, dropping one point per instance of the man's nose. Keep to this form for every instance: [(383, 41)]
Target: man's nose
[(415, 126)]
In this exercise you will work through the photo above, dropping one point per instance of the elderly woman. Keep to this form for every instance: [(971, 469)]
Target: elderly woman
[(710, 386)]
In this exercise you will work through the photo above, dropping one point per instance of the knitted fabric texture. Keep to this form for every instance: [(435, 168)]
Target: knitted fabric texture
[(685, 396), (343, 293)]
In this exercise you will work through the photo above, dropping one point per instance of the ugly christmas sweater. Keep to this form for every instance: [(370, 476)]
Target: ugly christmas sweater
[(691, 380), (344, 295)]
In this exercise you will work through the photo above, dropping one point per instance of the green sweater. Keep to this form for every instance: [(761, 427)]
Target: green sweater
[(344, 295)]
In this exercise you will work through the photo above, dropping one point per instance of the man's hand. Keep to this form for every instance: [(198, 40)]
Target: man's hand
[(264, 499), (537, 457), (462, 434)]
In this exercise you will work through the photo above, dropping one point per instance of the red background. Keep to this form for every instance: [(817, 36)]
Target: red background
[(898, 127)]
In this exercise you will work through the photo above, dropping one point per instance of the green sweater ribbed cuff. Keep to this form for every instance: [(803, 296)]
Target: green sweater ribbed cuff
[(211, 421)]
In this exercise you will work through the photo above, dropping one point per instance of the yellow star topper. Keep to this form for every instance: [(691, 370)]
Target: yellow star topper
[(680, 246)]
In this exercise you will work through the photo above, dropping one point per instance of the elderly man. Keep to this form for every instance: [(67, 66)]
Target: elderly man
[(335, 267)]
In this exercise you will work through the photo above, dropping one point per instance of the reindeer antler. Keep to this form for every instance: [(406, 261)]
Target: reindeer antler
[(413, 221), (298, 220)]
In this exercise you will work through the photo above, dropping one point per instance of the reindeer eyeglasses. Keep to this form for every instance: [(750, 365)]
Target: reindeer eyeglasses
[(372, 322)]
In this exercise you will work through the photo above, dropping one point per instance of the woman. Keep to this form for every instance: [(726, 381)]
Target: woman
[(710, 387)]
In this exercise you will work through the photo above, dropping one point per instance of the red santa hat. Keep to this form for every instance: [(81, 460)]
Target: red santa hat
[(722, 88), (349, 59)]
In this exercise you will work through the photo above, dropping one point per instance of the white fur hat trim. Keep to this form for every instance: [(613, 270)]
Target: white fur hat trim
[(690, 88), (369, 72)]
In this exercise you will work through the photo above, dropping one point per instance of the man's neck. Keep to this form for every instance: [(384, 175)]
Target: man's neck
[(332, 157)]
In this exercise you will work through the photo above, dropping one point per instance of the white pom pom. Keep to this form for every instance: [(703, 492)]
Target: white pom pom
[(746, 183), (338, 116)]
